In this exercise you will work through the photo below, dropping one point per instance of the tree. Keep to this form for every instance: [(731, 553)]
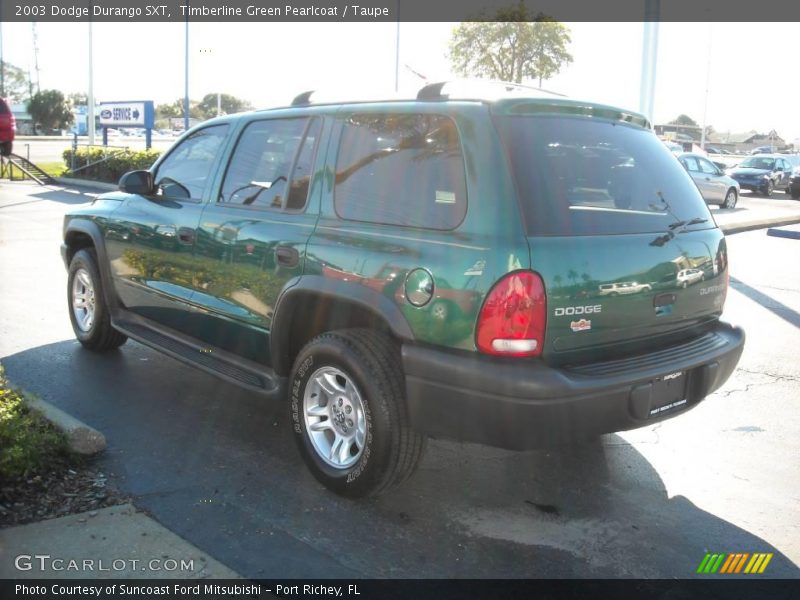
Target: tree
[(49, 109), (16, 85), (683, 120), (512, 48), (229, 104), (175, 110), (78, 99)]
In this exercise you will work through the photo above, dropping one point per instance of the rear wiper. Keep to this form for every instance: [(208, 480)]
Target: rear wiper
[(695, 221)]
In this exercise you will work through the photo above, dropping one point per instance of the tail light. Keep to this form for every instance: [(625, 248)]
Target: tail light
[(513, 318)]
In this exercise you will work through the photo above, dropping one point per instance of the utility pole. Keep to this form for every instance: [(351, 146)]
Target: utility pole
[(36, 57)]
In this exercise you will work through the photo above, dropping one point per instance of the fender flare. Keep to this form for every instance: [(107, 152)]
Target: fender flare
[(90, 228), (328, 289)]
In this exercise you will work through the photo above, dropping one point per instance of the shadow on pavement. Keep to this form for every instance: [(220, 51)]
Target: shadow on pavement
[(218, 466), (786, 313)]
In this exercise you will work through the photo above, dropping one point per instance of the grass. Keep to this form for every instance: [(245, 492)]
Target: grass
[(28, 443), (54, 169)]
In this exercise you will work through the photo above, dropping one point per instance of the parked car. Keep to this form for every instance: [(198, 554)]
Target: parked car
[(687, 277), (763, 173), (673, 147), (763, 150), (309, 245), (8, 128), (714, 185), (624, 287), (793, 188)]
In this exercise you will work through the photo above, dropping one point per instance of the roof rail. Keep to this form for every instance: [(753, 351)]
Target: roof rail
[(303, 98), (433, 91)]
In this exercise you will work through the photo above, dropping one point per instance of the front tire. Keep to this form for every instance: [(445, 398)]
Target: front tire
[(6, 148), (730, 199), (767, 189), (90, 317), (349, 414)]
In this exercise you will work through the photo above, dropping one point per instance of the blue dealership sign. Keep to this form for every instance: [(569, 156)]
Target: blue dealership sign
[(136, 113)]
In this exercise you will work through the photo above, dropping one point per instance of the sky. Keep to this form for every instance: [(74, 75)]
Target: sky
[(750, 82)]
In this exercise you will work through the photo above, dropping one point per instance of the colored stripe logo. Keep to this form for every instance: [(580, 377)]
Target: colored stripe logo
[(733, 563)]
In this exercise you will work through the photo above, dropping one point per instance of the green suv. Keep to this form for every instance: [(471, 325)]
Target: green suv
[(451, 266)]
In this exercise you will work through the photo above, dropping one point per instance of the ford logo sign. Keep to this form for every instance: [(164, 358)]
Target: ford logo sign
[(105, 114)]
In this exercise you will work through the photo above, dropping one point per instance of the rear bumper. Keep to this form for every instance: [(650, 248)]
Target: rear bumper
[(523, 404)]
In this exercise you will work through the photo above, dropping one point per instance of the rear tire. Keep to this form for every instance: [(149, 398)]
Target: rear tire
[(349, 415), (6, 148), (730, 199), (90, 317)]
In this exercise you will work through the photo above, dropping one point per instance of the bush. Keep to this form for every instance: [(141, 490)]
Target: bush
[(117, 162), (28, 443)]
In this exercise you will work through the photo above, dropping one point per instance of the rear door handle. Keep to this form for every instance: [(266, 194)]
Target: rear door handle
[(186, 235), (287, 256)]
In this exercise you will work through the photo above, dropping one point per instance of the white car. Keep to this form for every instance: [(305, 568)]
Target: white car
[(625, 287), (687, 277)]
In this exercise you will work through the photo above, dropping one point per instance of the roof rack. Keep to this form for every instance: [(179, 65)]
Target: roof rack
[(464, 89), (479, 87), (303, 98)]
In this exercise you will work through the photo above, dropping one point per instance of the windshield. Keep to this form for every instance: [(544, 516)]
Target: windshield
[(578, 176), (758, 162)]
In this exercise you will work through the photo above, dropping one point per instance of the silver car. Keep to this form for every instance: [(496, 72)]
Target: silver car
[(714, 185)]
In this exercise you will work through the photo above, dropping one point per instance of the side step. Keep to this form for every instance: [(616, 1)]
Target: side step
[(223, 364), (30, 169)]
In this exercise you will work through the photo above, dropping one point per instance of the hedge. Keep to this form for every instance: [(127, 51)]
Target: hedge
[(119, 162)]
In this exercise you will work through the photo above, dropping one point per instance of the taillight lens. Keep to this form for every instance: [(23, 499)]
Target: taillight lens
[(513, 318)]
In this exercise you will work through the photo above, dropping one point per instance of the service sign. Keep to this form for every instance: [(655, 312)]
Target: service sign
[(127, 114)]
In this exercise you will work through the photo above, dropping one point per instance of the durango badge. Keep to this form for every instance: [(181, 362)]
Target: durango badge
[(582, 325)]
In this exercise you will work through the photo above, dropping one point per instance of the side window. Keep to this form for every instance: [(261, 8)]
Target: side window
[(401, 169), (707, 167), (258, 174), (185, 172)]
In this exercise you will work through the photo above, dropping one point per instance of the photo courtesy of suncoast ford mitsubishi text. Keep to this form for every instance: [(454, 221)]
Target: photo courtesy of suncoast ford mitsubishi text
[(492, 264)]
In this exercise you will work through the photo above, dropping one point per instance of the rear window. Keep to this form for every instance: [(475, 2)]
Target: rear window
[(578, 176), (401, 169), (4, 110)]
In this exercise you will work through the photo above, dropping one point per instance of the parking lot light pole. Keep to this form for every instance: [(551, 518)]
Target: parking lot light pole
[(90, 96), (705, 100), (186, 78), (647, 90)]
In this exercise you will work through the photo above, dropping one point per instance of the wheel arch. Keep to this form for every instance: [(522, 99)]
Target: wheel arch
[(312, 304), (80, 234)]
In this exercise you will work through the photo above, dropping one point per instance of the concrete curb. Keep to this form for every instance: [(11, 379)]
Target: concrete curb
[(85, 183), (758, 224), (81, 438)]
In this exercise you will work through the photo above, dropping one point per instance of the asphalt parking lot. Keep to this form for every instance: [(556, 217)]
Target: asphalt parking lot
[(219, 468)]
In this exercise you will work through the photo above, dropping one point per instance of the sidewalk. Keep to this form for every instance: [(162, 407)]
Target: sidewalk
[(758, 213), (116, 542)]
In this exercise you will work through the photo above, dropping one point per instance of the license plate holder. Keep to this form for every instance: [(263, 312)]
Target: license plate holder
[(669, 393)]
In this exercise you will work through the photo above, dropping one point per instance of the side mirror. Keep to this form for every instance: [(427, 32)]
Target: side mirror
[(137, 182)]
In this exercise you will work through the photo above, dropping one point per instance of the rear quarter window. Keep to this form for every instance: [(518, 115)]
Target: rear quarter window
[(584, 176), (401, 169)]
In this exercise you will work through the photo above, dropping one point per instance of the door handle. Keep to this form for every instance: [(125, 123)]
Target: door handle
[(287, 256), (186, 235)]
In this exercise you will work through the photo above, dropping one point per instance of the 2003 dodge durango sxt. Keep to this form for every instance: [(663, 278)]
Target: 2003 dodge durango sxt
[(447, 265)]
